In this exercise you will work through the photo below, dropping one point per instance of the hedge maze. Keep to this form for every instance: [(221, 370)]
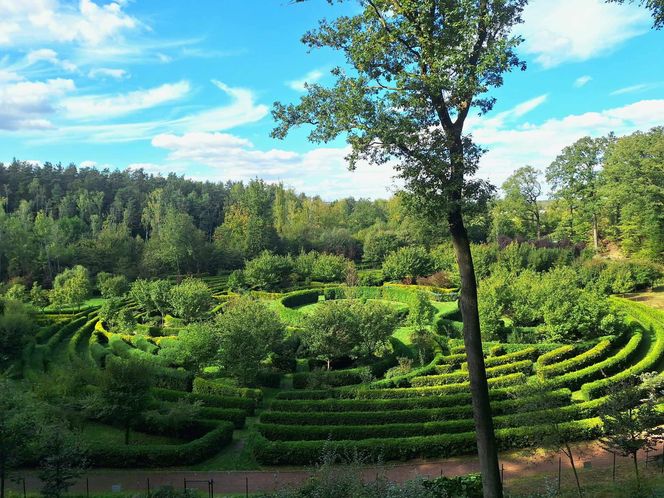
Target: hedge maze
[(423, 412)]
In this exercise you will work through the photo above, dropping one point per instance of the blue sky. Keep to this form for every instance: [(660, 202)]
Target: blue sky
[(186, 87)]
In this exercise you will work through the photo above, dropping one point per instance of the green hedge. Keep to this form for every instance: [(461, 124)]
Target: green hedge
[(204, 386), (653, 321), (530, 353), (524, 366), (436, 390), (557, 355), (300, 298), (441, 446), (598, 352), (246, 404), (77, 340), (378, 412), (219, 435), (621, 360)]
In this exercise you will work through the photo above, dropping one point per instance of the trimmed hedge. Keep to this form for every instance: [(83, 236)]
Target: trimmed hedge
[(203, 386), (504, 381), (530, 353), (446, 445), (218, 435), (300, 298), (378, 412), (524, 366), (598, 352), (246, 404), (557, 355), (646, 317)]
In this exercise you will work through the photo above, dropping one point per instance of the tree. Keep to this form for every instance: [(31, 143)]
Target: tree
[(18, 427), (115, 314), (248, 332), (655, 6), (631, 419), (124, 392), (522, 189), (268, 271), (17, 292), (191, 300), (408, 263), (418, 68), (574, 178), (71, 287), (112, 286), (16, 329), (63, 460), (376, 323), (378, 244), (330, 331), (421, 311), (152, 296), (38, 296), (197, 346), (329, 268)]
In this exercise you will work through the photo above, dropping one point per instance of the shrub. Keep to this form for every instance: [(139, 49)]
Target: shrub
[(203, 386), (246, 404), (557, 355), (191, 300), (599, 351), (268, 271), (112, 286), (300, 298), (408, 263), (329, 268)]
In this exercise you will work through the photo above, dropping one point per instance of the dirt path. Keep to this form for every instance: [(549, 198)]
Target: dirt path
[(515, 464)]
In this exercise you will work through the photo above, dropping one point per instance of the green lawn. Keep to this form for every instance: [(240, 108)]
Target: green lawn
[(107, 434)]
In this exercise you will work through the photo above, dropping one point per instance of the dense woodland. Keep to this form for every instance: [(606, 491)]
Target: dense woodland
[(605, 194)]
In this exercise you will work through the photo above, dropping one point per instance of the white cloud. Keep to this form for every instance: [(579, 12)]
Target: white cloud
[(527, 106), (101, 107), (310, 77), (635, 88), (582, 81), (26, 104), (51, 56), (87, 164), (322, 171), (107, 72), (511, 146), (577, 30), (27, 22)]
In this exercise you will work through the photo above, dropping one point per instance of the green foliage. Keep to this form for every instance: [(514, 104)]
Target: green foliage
[(152, 296), (268, 271), (236, 281), (421, 311), (63, 461), (408, 263), (248, 333), (16, 330), (378, 244), (197, 346), (71, 287), (38, 296), (330, 332), (17, 292), (329, 268), (115, 314), (112, 286), (191, 299)]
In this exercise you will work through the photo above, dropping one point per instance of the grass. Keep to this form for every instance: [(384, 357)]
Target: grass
[(653, 298), (107, 434), (94, 301)]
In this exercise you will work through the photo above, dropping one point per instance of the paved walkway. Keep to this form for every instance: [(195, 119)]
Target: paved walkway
[(514, 464)]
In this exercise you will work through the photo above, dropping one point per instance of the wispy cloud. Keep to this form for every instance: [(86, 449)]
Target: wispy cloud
[(29, 105), (311, 77), (578, 30), (582, 81), (641, 87), (101, 107), (108, 72)]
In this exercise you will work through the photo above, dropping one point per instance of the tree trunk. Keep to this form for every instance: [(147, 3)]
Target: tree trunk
[(636, 471), (328, 364), (2, 479), (570, 455), (486, 444), (595, 233)]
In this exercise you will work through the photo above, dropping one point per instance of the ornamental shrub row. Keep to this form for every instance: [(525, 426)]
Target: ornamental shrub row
[(653, 321), (203, 386), (374, 412), (524, 366), (248, 405), (557, 355), (621, 360), (594, 354), (219, 435), (437, 390), (530, 353), (300, 298), (442, 446)]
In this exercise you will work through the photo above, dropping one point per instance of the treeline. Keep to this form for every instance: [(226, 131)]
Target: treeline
[(606, 192)]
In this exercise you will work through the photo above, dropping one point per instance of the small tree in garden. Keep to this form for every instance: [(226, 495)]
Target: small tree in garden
[(197, 346), (124, 392), (329, 268), (71, 287), (408, 263), (330, 331), (191, 300), (152, 296), (421, 311), (63, 460), (38, 296), (112, 286), (631, 420), (268, 271), (376, 322), (248, 332)]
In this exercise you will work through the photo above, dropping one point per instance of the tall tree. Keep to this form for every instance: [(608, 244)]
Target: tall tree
[(574, 177), (417, 68), (655, 6), (522, 189)]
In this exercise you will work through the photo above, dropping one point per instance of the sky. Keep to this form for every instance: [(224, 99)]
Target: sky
[(187, 87)]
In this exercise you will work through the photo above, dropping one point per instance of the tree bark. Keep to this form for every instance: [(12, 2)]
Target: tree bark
[(595, 233), (636, 471), (486, 443)]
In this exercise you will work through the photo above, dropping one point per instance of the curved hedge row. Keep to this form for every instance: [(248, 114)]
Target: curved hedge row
[(598, 352), (557, 355), (524, 367), (219, 434), (246, 404), (446, 445), (300, 298), (204, 386)]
